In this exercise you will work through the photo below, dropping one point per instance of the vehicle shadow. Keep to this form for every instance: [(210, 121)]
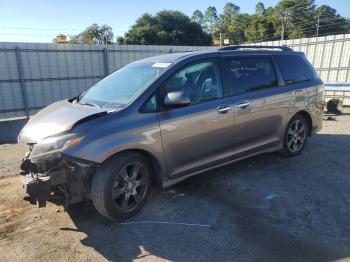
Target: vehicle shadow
[(267, 208)]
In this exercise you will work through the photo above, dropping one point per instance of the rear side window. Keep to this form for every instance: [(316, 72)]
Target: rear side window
[(294, 69), (250, 73)]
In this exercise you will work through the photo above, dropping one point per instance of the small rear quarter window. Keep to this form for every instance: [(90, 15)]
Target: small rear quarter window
[(150, 106), (294, 69)]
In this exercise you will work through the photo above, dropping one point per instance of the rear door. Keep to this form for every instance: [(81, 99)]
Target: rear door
[(261, 105), (201, 134)]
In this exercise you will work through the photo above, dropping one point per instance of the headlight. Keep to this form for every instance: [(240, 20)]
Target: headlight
[(55, 143)]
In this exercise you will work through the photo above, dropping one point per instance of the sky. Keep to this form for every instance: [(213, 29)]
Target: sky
[(42, 20)]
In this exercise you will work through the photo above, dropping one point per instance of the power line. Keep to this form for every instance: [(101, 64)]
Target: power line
[(307, 24), (307, 29), (296, 6), (277, 38), (50, 29), (303, 7), (324, 26), (328, 25), (324, 19), (41, 29), (317, 20), (31, 35), (284, 26), (14, 34)]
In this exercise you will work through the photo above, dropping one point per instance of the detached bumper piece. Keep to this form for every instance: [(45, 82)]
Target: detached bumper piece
[(66, 176), (37, 187), (335, 106)]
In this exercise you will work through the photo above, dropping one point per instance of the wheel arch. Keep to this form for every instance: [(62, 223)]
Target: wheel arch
[(154, 162), (308, 118)]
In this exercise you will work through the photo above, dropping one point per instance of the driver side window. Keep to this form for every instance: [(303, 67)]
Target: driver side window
[(200, 81)]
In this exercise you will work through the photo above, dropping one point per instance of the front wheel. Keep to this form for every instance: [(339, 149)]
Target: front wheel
[(295, 136), (121, 185)]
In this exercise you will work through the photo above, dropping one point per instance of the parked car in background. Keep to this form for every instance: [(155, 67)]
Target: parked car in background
[(165, 118)]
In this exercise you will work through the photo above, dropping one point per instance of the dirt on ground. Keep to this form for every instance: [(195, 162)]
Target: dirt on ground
[(267, 208)]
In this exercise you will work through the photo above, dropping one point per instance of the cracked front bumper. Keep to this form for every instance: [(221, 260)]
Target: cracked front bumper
[(69, 176)]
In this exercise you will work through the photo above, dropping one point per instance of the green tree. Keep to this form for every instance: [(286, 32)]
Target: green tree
[(297, 18), (295, 14), (260, 9), (258, 26), (211, 20), (94, 34), (229, 15), (256, 31), (166, 28), (272, 24), (120, 40), (232, 23), (330, 21), (198, 17)]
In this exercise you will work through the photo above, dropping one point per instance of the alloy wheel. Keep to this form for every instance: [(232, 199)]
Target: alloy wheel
[(296, 135), (130, 187)]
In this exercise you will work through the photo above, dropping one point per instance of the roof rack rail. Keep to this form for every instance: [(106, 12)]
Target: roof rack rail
[(236, 47)]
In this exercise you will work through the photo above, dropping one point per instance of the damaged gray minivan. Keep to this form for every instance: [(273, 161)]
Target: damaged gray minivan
[(163, 119)]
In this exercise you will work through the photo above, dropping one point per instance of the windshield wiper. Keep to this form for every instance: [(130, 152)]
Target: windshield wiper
[(89, 104)]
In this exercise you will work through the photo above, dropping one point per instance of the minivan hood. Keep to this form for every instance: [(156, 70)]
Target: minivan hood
[(55, 118)]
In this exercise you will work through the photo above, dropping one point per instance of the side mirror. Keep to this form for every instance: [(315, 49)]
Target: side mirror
[(176, 99)]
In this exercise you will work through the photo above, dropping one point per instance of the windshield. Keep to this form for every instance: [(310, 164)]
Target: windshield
[(122, 86)]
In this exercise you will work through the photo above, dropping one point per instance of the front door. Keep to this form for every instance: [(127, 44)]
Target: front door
[(200, 134)]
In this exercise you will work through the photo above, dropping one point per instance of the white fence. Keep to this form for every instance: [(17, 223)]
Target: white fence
[(339, 91), (35, 75), (330, 55)]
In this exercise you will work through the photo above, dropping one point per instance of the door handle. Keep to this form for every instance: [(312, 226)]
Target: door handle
[(299, 92), (243, 104), (222, 109)]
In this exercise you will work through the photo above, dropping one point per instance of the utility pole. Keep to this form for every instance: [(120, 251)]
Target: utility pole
[(284, 24), (222, 37), (317, 25), (106, 41)]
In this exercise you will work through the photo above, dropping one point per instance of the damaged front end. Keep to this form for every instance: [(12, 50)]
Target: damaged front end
[(47, 173)]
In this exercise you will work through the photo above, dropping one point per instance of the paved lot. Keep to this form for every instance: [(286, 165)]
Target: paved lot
[(267, 208)]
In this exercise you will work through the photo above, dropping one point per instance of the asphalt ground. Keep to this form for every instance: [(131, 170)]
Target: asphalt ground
[(266, 208)]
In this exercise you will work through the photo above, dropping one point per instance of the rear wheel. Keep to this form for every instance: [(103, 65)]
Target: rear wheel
[(121, 186), (295, 136)]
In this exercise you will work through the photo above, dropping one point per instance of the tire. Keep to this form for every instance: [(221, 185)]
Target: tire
[(121, 185), (295, 136), (335, 106)]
